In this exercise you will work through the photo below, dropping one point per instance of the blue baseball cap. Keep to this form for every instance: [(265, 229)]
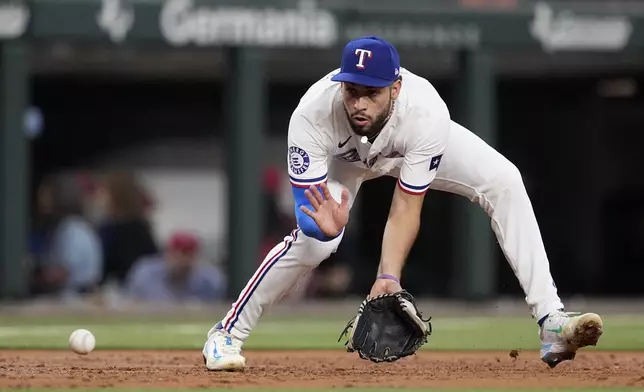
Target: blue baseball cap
[(369, 61)]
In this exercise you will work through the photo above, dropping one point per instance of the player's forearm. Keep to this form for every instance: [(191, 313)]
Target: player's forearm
[(400, 233)]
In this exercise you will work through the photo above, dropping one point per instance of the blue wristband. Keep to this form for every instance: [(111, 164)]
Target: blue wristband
[(391, 277)]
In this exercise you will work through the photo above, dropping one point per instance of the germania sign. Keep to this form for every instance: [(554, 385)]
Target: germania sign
[(183, 23)]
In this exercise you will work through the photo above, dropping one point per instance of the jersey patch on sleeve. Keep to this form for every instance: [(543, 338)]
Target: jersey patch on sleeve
[(298, 159), (435, 162)]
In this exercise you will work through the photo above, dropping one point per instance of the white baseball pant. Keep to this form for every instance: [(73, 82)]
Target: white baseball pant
[(497, 186)]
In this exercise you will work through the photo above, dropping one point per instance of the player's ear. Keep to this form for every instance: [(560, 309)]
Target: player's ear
[(395, 88)]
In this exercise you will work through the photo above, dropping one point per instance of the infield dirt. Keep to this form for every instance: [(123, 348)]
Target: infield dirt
[(314, 369)]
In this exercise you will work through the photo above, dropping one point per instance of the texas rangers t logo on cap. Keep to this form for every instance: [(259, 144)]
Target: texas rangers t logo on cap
[(361, 53), (381, 57)]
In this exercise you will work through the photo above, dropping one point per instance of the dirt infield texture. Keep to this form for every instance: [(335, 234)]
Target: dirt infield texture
[(319, 369)]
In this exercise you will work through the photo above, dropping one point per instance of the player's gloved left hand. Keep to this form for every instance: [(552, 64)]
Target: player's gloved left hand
[(387, 327)]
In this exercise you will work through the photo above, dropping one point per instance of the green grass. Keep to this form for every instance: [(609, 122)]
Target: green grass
[(621, 333)]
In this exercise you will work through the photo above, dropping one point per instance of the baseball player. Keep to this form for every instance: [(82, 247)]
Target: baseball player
[(373, 118)]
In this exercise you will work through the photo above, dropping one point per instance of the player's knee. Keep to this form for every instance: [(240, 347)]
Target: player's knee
[(318, 251)]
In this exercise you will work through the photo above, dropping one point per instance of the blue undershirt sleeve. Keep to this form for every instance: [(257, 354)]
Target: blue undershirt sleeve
[(305, 222)]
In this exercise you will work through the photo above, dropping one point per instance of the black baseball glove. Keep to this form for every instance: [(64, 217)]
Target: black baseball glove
[(387, 327)]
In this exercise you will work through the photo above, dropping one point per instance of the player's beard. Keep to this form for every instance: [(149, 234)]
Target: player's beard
[(376, 126)]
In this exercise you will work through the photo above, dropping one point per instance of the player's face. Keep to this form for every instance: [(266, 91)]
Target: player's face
[(367, 107)]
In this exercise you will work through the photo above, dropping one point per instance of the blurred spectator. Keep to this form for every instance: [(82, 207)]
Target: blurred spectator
[(65, 251), (330, 280), (125, 232), (176, 275), (277, 224)]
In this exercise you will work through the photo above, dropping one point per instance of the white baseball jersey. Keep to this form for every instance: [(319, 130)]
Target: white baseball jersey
[(411, 144), (410, 147)]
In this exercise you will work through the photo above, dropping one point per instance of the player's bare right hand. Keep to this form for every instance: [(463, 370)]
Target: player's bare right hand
[(328, 214)]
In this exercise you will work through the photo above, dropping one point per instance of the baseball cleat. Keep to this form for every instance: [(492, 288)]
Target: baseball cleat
[(222, 351), (562, 334)]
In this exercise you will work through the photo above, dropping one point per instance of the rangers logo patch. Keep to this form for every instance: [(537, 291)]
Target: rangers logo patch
[(298, 160)]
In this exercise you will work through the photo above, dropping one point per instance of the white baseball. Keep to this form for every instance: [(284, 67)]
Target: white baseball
[(82, 341)]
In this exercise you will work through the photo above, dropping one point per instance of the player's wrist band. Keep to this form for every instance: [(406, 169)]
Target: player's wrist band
[(387, 276)]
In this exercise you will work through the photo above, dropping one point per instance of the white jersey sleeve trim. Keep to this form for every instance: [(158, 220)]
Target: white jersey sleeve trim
[(412, 189), (305, 183)]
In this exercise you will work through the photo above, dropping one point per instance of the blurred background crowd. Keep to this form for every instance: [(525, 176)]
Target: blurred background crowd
[(94, 235)]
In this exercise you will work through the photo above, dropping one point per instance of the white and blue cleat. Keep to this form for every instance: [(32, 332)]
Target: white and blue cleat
[(222, 351), (562, 334)]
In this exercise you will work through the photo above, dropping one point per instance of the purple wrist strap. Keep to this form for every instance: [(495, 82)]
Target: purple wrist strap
[(385, 276)]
